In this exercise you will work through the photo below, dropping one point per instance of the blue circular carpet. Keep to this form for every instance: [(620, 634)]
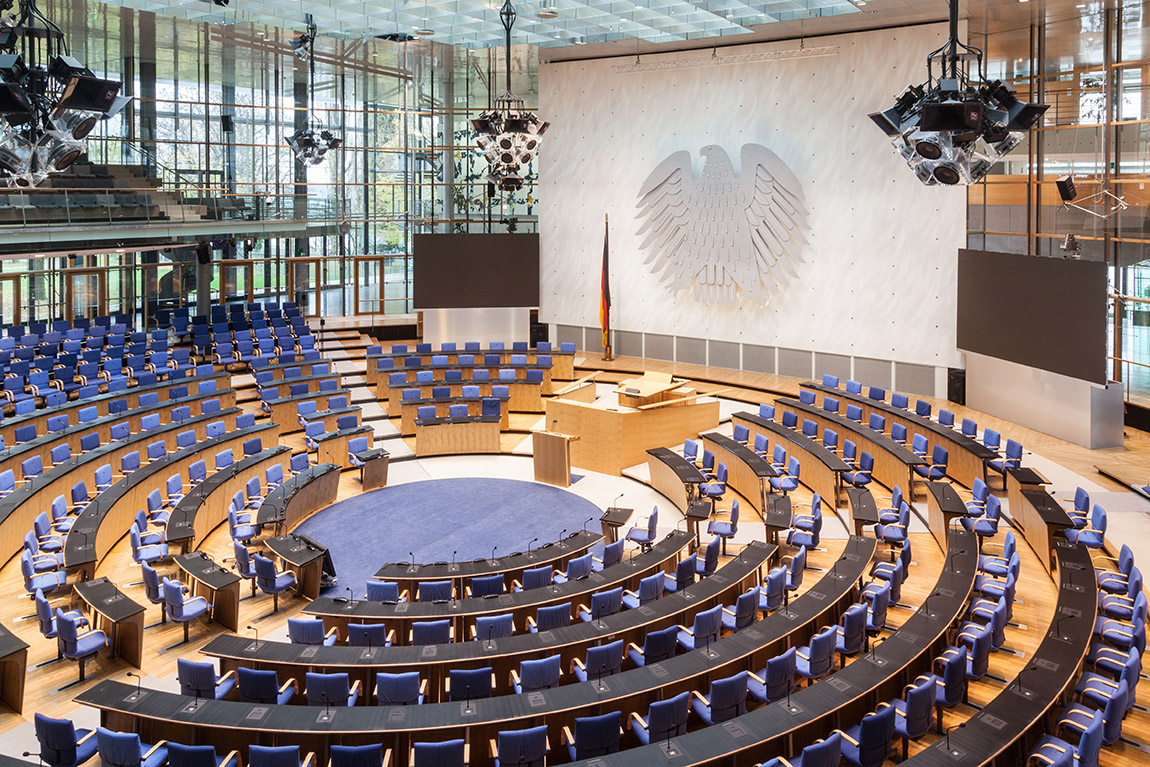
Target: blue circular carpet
[(434, 518)]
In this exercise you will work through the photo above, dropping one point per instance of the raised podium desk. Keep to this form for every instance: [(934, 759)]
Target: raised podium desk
[(299, 496), (651, 388), (943, 505), (219, 585), (1040, 519), (13, 665), (674, 476), (303, 557)]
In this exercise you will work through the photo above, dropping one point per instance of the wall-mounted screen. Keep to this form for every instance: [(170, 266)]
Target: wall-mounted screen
[(453, 271)]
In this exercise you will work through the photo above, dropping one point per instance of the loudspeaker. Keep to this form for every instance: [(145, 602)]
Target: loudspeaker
[(956, 385), (1066, 188), (227, 124), (539, 332), (203, 252)]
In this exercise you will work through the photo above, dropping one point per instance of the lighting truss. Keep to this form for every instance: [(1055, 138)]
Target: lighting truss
[(952, 129), (49, 101), (312, 142), (508, 135)]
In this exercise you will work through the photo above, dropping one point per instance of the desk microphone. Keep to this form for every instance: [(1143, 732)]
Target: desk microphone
[(532, 543), (948, 729), (493, 549), (1057, 633), (589, 519), (351, 598), (453, 558), (615, 503), (253, 628), (412, 555), (561, 534), (139, 681)]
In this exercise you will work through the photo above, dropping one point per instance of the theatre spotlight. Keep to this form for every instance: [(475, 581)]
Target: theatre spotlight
[(952, 129), (49, 99), (508, 135)]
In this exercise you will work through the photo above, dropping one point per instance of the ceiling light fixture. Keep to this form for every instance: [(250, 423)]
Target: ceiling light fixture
[(425, 30), (312, 142), (547, 11), (508, 135), (49, 101), (953, 128)]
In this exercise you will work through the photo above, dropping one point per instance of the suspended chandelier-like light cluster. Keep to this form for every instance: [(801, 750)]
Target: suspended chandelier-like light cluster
[(49, 101), (953, 129), (311, 143), (508, 135)]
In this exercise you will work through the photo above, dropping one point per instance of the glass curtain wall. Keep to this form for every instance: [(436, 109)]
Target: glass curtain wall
[(1093, 70), (204, 141)]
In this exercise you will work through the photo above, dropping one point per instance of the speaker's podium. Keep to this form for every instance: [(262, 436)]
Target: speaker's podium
[(552, 457)]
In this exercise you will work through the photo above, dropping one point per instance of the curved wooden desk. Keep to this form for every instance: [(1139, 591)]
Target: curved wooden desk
[(820, 469), (747, 472)]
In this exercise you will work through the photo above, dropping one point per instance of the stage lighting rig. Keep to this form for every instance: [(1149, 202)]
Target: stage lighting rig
[(311, 143), (953, 128), (49, 100), (508, 135)]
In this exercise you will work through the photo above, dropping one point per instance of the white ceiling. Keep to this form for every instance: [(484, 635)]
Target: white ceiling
[(593, 28)]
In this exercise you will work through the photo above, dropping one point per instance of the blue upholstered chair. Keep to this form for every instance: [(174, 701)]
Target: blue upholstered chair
[(774, 681), (914, 712), (665, 719), (816, 660), (448, 753), (725, 528), (489, 627), (602, 660), (200, 680), (310, 631), (594, 736), (541, 674), (704, 631), (406, 689), (367, 755), (271, 581), (1059, 753), (385, 591), (278, 756), (1093, 535), (850, 633), (431, 632), (644, 533), (658, 646), (684, 576), (262, 686), (577, 567), (180, 607), (1012, 460), (822, 753), (650, 589), (773, 591), (330, 690), (612, 555), (470, 684), (61, 744), (74, 644), (124, 749), (726, 699), (790, 480), (868, 743), (522, 748), (550, 617), (744, 612), (180, 755), (369, 635), (434, 591), (603, 603)]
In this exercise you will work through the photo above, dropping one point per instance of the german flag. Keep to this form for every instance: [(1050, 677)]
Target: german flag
[(605, 291)]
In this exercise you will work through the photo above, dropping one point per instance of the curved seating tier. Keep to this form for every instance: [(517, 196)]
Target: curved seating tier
[(821, 469), (205, 506), (661, 558)]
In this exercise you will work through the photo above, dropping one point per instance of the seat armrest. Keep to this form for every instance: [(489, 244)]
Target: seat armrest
[(699, 696), (231, 760), (152, 750), (757, 678), (514, 677), (91, 734), (354, 689), (225, 677), (577, 662), (847, 738), (308, 760), (292, 683)]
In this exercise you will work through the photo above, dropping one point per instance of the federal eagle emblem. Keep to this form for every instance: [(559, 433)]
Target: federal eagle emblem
[(730, 238)]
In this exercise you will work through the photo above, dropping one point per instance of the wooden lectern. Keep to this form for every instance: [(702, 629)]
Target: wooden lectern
[(552, 457)]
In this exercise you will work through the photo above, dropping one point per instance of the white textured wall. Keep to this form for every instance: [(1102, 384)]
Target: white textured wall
[(879, 278)]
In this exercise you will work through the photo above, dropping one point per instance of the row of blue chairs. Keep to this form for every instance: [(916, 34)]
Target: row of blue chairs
[(471, 346)]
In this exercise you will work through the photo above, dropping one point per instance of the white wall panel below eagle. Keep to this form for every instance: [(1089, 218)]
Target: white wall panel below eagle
[(877, 275)]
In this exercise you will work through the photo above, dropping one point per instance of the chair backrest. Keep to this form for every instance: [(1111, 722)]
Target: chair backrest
[(471, 683), (668, 718), (707, 625), (494, 626), (605, 660), (597, 735), (853, 622), (257, 686), (711, 555), (327, 689), (780, 675), (397, 689), (746, 608), (523, 748), (552, 617), (118, 749), (180, 755), (728, 697), (1098, 518), (822, 651), (431, 632), (273, 756), (685, 572), (537, 577), (196, 678), (57, 738), (367, 634), (541, 674), (434, 591), (604, 603), (875, 735)]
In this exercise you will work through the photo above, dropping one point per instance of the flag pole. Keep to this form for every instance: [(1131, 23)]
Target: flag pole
[(605, 299)]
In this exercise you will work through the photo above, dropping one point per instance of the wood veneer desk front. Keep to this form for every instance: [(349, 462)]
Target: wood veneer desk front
[(613, 439), (552, 457), (13, 665)]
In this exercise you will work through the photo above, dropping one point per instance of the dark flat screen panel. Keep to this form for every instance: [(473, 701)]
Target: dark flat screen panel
[(1047, 313), (453, 271)]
